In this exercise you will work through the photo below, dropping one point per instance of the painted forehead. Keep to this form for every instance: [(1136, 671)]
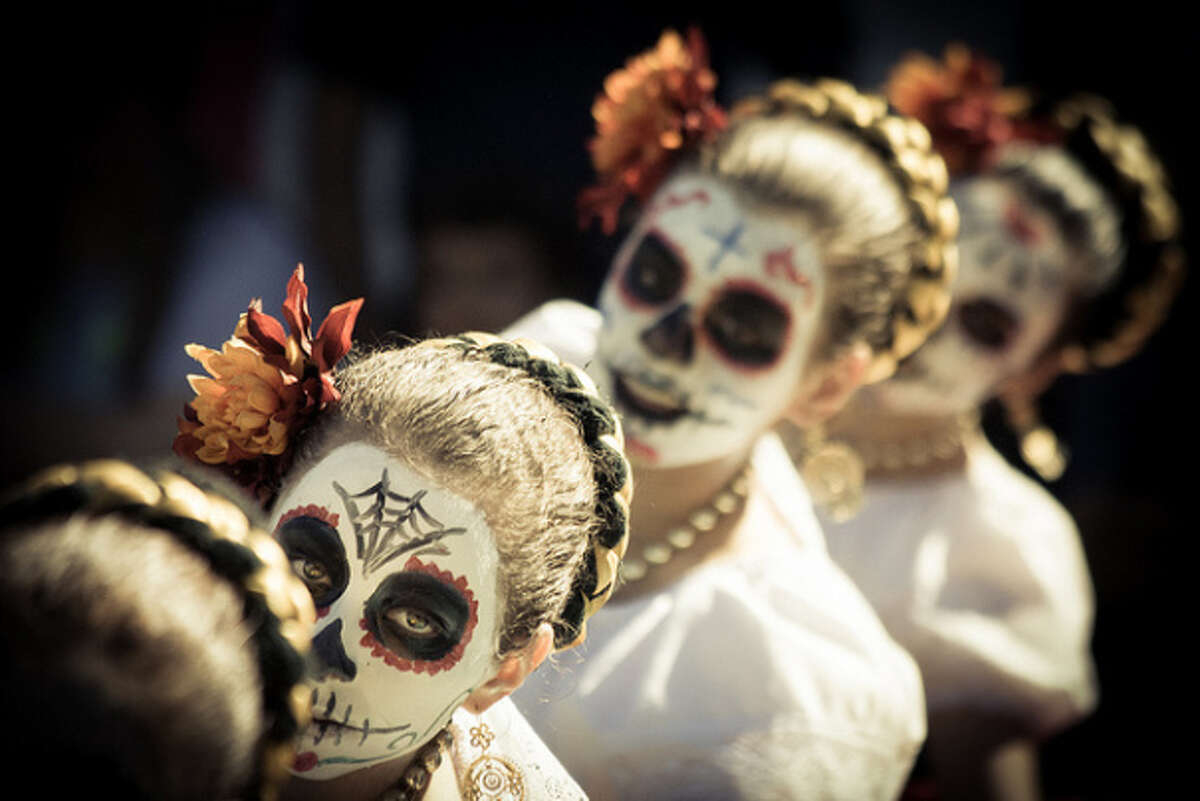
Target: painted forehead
[(386, 512), (720, 235), (1006, 241)]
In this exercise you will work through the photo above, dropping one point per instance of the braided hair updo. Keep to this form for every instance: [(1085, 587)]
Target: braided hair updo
[(527, 439), (153, 640), (874, 194)]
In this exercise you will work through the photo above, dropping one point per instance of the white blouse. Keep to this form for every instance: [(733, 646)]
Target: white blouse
[(498, 756), (762, 674), (981, 575)]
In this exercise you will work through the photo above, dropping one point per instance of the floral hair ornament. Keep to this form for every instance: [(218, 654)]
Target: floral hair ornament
[(264, 386), (961, 101), (649, 113)]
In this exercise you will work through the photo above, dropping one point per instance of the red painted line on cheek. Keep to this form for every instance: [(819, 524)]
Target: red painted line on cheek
[(640, 449), (781, 264), (1020, 225)]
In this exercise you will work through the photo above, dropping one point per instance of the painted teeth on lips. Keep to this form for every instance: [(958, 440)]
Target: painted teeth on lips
[(651, 403)]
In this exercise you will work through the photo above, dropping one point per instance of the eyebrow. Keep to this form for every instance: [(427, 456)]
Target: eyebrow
[(382, 533)]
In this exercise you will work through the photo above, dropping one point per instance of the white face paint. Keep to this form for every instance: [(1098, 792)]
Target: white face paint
[(1009, 299), (709, 315), (403, 575)]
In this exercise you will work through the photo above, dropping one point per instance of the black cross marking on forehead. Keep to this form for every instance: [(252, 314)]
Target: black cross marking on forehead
[(382, 533)]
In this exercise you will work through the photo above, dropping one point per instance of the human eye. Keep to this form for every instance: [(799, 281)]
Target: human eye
[(747, 327), (313, 574), (314, 549), (416, 616), (413, 622), (655, 274), (990, 325)]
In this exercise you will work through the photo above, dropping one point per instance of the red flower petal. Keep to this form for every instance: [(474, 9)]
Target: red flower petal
[(267, 332), (295, 309), (334, 338)]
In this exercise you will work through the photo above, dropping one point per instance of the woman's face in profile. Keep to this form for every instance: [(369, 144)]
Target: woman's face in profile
[(403, 574), (1009, 299)]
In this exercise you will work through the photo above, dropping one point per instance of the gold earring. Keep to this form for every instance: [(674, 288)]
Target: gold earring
[(834, 473)]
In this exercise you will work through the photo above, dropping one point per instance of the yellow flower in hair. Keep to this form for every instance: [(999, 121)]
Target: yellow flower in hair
[(245, 408), (263, 386), (652, 110)]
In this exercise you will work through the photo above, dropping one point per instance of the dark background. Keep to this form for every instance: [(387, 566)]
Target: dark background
[(168, 167)]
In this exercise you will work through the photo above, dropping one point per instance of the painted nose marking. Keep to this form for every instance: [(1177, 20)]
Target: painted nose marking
[(671, 337), (331, 656)]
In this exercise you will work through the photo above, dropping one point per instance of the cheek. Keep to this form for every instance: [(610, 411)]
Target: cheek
[(622, 318)]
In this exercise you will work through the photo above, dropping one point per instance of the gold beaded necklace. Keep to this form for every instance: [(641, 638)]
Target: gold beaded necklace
[(683, 536), (416, 777)]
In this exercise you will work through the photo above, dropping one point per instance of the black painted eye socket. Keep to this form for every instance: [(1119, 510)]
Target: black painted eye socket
[(416, 616), (318, 557), (988, 324), (747, 327), (655, 274)]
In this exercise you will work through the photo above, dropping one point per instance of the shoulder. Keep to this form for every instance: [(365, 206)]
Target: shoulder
[(566, 327), (770, 647), (1006, 499)]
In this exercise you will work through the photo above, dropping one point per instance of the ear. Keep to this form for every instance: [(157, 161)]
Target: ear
[(827, 386), (514, 669)]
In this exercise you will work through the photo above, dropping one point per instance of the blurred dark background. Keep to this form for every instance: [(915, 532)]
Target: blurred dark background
[(167, 167)]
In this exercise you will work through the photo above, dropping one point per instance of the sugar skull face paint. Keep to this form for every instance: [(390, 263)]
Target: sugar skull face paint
[(709, 315), (403, 574), (1009, 299)]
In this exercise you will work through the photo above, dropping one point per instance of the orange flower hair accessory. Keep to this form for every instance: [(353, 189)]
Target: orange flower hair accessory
[(263, 387), (961, 101), (660, 104)]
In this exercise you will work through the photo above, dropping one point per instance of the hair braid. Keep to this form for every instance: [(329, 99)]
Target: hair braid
[(573, 390), (906, 150), (246, 557)]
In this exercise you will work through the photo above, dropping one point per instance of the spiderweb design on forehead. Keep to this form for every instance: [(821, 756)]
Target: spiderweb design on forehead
[(388, 524)]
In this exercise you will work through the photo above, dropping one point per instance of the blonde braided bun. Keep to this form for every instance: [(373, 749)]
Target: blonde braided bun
[(1120, 159), (277, 605), (600, 430), (904, 146)]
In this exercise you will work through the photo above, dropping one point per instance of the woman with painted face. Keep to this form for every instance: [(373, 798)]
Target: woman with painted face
[(457, 509), (152, 639), (975, 569), (782, 256)]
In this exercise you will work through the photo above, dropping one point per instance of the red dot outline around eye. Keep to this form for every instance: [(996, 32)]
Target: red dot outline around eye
[(745, 285), (311, 510), (430, 667), (637, 303)]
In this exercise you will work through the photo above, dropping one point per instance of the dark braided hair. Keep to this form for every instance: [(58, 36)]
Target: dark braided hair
[(118, 504)]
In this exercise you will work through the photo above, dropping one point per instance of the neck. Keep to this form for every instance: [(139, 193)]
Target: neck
[(664, 500), (895, 445)]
